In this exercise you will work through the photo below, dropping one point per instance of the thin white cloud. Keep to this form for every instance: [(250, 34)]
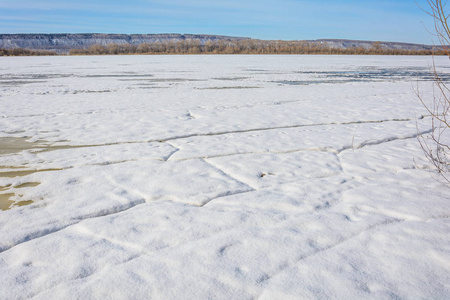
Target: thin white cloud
[(19, 18)]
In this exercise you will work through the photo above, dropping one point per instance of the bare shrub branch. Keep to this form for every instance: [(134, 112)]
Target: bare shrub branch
[(436, 145)]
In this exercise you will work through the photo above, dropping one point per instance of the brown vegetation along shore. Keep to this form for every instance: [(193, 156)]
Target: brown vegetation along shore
[(241, 47), (25, 52), (249, 46)]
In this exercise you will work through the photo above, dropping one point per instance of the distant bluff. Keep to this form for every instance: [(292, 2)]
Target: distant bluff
[(346, 44), (63, 42)]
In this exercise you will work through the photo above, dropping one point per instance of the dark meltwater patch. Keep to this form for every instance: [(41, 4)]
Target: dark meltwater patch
[(10, 145), (6, 202), (27, 184), (11, 174), (4, 188)]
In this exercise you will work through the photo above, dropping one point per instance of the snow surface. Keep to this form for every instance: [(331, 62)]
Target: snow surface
[(220, 177)]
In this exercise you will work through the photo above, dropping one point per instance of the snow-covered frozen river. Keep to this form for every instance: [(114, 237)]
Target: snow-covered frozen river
[(219, 177)]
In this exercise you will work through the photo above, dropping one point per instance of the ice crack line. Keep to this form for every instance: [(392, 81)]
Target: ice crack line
[(326, 248), (390, 139), (175, 150), (45, 232), (385, 140), (163, 140), (141, 199), (247, 185), (326, 149), (275, 128), (226, 194)]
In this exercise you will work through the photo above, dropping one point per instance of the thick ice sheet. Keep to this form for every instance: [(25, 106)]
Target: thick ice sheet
[(228, 177)]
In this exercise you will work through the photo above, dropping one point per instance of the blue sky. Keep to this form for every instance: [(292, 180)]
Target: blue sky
[(383, 20)]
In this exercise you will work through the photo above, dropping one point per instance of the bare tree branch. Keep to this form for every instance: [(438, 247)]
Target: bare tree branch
[(436, 145)]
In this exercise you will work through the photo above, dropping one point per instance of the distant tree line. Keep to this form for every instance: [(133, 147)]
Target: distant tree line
[(241, 47), (247, 46), (25, 52)]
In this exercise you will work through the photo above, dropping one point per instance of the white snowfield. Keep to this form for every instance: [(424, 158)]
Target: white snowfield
[(220, 177)]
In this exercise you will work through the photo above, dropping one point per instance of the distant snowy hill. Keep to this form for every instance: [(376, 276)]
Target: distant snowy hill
[(63, 42), (345, 44)]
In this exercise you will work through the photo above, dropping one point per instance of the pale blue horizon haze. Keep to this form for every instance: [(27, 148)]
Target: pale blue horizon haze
[(382, 20)]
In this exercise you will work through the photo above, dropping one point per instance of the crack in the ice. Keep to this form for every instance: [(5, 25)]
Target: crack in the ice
[(39, 234), (438, 217), (175, 150), (226, 194), (326, 149), (369, 228), (323, 249), (249, 186), (382, 141), (43, 233), (107, 163), (276, 127), (143, 250), (102, 213), (390, 139), (162, 140)]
